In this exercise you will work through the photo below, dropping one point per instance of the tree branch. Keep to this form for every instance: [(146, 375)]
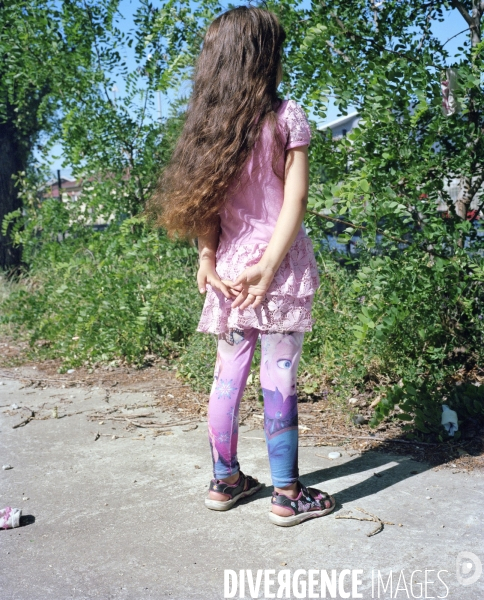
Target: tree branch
[(362, 227), (426, 30), (426, 249), (463, 11), (381, 47), (454, 36), (98, 55), (142, 118), (476, 185), (333, 47)]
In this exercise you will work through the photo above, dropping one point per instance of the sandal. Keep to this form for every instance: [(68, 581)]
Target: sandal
[(304, 506), (244, 486)]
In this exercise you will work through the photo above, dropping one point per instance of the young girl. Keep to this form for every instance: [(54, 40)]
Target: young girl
[(238, 180)]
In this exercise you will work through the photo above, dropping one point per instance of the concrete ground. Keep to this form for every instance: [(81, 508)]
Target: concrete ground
[(124, 518)]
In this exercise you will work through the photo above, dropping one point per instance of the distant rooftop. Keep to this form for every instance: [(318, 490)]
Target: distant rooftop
[(64, 178), (339, 122)]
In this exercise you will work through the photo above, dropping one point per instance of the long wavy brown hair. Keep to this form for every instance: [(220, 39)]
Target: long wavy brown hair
[(234, 95)]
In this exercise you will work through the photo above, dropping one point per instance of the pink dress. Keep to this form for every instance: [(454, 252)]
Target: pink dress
[(247, 223)]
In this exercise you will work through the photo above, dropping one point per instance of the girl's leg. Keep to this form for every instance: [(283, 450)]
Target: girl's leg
[(280, 358), (279, 362), (234, 357)]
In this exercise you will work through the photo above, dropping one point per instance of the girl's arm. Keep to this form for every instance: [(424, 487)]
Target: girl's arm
[(207, 249), (253, 283)]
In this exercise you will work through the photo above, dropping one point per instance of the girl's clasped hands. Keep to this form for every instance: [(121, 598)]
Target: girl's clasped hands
[(249, 289)]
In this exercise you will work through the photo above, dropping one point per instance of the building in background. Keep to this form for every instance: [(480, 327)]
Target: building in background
[(71, 188), (341, 126), (71, 191)]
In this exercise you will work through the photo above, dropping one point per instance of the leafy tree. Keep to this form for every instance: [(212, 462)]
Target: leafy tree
[(383, 59), (114, 143), (45, 49), (421, 293)]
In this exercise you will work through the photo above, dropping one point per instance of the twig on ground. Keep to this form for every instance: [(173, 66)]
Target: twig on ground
[(102, 415), (192, 428), (354, 518), (373, 518), (79, 412), (27, 420), (157, 426)]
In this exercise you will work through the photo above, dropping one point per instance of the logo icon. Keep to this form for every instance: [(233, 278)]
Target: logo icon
[(468, 568)]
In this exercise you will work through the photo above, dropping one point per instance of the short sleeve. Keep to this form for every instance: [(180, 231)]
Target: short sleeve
[(297, 126)]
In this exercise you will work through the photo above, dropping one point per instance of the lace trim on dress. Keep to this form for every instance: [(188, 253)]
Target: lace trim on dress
[(287, 305), (273, 315), (297, 276)]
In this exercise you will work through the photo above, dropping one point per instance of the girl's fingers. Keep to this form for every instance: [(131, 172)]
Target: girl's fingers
[(201, 284), (245, 279), (247, 302), (225, 291), (228, 282), (218, 285), (251, 300), (240, 299), (245, 299), (230, 286), (241, 279), (257, 301)]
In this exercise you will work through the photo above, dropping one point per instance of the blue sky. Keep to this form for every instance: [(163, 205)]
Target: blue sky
[(452, 25)]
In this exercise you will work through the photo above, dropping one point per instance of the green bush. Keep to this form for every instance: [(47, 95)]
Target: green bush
[(406, 326), (99, 296)]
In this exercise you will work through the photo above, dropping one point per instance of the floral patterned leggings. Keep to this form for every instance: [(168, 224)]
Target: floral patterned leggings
[(279, 362)]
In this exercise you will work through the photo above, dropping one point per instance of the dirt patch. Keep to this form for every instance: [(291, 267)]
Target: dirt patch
[(321, 422)]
